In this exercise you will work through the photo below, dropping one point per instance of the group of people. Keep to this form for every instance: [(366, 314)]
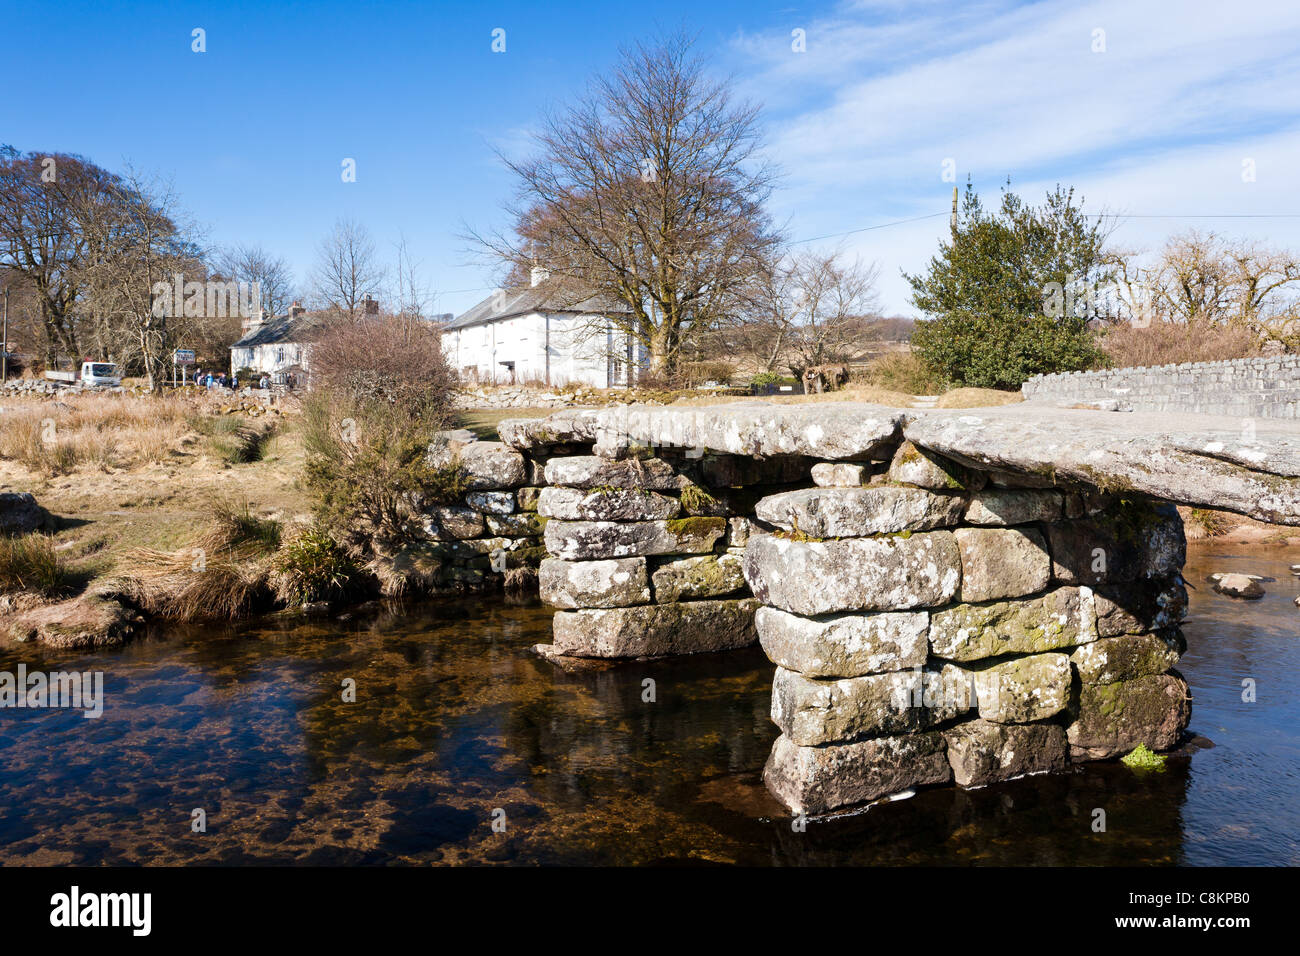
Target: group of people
[(211, 380)]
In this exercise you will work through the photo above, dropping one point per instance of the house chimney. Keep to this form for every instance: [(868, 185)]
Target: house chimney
[(369, 306), (296, 309), (539, 275), (254, 322)]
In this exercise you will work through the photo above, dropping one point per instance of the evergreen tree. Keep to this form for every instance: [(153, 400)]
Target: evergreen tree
[(995, 291)]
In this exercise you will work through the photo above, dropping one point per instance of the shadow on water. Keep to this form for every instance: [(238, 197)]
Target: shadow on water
[(455, 724)]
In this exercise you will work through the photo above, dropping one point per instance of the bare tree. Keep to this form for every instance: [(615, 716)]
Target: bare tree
[(42, 197), (347, 269), (1204, 280), (138, 246), (411, 293), (649, 191), (810, 309), (253, 264)]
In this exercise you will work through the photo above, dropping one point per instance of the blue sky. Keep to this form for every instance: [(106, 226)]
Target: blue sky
[(1163, 120)]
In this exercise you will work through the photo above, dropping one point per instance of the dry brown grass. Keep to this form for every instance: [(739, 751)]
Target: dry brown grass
[(978, 398), (854, 393), (1171, 343), (223, 574), (99, 431), (33, 563)]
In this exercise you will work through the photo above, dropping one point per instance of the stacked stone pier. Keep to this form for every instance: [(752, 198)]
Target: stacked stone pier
[(947, 597), (933, 627)]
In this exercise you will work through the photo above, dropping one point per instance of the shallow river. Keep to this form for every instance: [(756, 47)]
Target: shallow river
[(457, 724)]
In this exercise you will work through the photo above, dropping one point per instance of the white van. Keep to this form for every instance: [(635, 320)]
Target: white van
[(100, 375)]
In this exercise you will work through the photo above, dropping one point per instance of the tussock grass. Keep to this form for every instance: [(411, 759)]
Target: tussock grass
[(224, 574), (31, 563), (235, 440), (1215, 524), (312, 567)]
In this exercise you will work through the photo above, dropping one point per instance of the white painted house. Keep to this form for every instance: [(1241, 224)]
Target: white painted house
[(542, 333), (277, 345)]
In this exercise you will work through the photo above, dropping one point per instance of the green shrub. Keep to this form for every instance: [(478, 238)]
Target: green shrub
[(903, 372), (312, 568), (763, 379), (367, 463), (993, 319)]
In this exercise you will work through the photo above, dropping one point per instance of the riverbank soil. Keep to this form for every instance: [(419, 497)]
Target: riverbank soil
[(1205, 527)]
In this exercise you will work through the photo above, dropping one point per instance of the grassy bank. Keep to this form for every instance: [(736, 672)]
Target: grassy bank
[(121, 473)]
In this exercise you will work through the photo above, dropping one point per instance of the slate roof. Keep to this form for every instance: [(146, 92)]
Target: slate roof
[(547, 296), (283, 328)]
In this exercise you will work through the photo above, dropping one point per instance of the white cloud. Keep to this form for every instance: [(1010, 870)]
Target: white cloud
[(1158, 123)]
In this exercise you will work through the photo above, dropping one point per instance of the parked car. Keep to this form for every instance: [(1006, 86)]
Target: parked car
[(90, 375)]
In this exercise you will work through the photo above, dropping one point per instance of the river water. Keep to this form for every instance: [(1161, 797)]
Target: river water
[(457, 725)]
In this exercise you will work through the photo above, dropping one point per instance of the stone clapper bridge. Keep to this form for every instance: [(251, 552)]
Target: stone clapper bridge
[(956, 596)]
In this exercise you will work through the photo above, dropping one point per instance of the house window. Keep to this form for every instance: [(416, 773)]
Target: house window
[(279, 356)]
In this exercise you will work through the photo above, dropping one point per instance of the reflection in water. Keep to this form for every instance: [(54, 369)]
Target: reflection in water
[(454, 719)]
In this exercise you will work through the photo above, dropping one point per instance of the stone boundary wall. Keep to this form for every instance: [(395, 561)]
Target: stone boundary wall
[(1244, 388), (509, 396)]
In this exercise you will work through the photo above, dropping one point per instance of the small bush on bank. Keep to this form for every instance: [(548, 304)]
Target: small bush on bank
[(380, 390), (902, 372), (31, 563), (310, 568)]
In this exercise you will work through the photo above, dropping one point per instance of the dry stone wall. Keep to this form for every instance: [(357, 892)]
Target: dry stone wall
[(1244, 388), (489, 534), (930, 622), (949, 629), (645, 553)]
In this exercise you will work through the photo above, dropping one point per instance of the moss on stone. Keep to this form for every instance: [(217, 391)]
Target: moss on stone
[(696, 500), (696, 526), (1143, 758)]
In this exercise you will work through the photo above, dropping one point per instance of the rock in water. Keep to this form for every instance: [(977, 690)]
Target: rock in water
[(1238, 585)]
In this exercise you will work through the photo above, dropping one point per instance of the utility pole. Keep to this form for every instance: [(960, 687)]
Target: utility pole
[(4, 343), (954, 209)]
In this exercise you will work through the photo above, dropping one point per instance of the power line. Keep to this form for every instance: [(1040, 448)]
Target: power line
[(883, 225)]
